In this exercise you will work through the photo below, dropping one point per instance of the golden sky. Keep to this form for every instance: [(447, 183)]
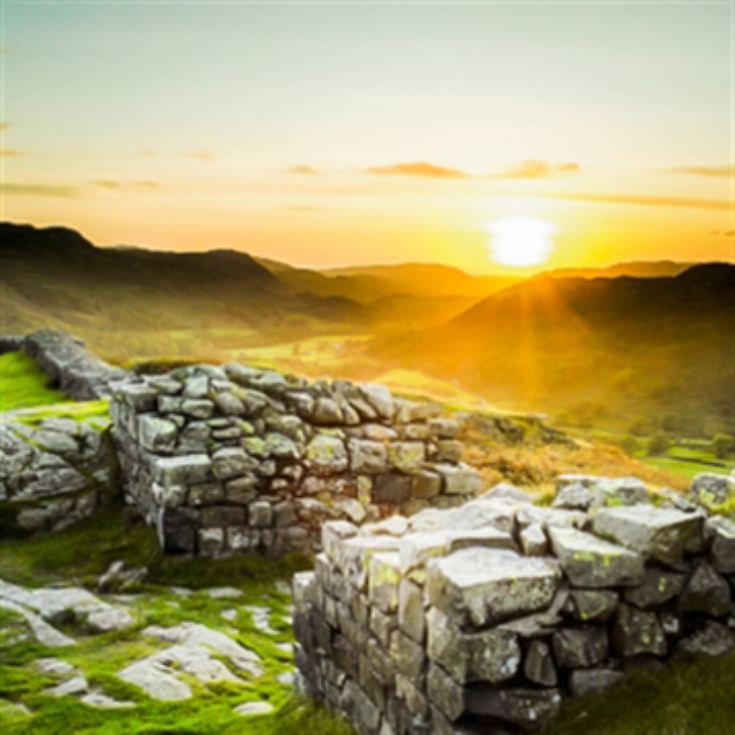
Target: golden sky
[(342, 133)]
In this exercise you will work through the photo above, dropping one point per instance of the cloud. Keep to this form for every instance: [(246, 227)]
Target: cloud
[(655, 201), (10, 153), (114, 185), (421, 169), (43, 190), (305, 170), (200, 155), (533, 169), (727, 170), (303, 208)]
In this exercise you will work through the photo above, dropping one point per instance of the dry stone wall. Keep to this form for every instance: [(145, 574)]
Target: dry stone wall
[(225, 459), (53, 472), (482, 618)]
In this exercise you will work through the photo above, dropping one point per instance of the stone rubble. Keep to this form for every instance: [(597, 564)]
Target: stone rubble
[(483, 618)]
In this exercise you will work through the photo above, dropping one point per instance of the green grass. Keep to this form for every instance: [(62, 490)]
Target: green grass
[(687, 699), (78, 555), (23, 384)]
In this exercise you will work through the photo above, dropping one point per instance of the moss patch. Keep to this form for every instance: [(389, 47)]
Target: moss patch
[(23, 384)]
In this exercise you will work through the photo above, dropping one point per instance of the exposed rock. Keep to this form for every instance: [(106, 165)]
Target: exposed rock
[(487, 586), (591, 562), (721, 532), (706, 592), (592, 681), (709, 489), (659, 533), (574, 496), (712, 639), (636, 632), (249, 709), (538, 665), (529, 709), (580, 647), (658, 586)]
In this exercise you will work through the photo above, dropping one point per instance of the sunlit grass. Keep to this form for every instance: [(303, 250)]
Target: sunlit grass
[(23, 384)]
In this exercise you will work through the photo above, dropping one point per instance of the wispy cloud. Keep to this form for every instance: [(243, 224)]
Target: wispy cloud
[(205, 156), (10, 153), (304, 170), (650, 201), (302, 208), (726, 170), (43, 190), (115, 185), (421, 169), (534, 169)]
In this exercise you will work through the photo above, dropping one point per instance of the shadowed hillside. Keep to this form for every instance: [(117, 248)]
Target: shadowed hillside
[(604, 345), (54, 277)]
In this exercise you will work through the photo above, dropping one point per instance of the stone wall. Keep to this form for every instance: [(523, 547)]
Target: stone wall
[(53, 471), (232, 458), (481, 619), (70, 366)]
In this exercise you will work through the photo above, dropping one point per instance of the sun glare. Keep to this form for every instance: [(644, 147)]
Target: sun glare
[(521, 241)]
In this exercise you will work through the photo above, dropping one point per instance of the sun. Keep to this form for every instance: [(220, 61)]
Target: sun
[(521, 241)]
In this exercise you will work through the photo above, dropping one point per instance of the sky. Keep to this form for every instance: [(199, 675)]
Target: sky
[(327, 134)]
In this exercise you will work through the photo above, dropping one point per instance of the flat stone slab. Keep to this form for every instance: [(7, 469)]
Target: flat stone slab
[(486, 586), (196, 634), (53, 603), (658, 533), (589, 561), (249, 709), (44, 633)]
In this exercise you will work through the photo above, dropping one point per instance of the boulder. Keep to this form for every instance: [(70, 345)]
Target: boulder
[(591, 562), (658, 533), (528, 709), (484, 586), (721, 533), (635, 632), (706, 592), (579, 647), (710, 489), (592, 605), (592, 681), (711, 639), (658, 586), (538, 664), (574, 496)]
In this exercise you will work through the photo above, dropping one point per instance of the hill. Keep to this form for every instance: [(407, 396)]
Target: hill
[(55, 277), (613, 348)]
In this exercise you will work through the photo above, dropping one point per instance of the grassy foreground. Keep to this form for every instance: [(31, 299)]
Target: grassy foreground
[(66, 557)]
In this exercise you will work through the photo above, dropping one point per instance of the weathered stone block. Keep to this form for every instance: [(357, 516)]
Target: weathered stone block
[(184, 470), (706, 592), (579, 647), (384, 579), (484, 586), (635, 632), (411, 614), (591, 562), (538, 665), (659, 533), (367, 456), (391, 488)]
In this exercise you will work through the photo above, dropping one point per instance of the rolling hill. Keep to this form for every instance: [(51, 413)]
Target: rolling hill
[(615, 348), (55, 277)]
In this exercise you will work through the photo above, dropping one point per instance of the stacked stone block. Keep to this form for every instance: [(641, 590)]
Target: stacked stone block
[(225, 459), (483, 618), (53, 472)]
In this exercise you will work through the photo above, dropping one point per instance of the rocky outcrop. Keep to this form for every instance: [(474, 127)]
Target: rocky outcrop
[(232, 458), (53, 471), (482, 618), (69, 365)]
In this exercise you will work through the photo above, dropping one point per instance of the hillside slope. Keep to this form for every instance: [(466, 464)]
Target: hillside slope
[(627, 344), (54, 277)]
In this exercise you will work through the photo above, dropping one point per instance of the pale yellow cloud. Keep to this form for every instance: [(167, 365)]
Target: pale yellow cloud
[(43, 190), (534, 169), (421, 169), (304, 169), (727, 170), (653, 200)]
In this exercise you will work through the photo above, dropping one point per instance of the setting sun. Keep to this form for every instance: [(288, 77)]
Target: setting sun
[(521, 241)]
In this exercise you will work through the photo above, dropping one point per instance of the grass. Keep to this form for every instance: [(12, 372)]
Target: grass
[(113, 535), (23, 384), (687, 699)]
